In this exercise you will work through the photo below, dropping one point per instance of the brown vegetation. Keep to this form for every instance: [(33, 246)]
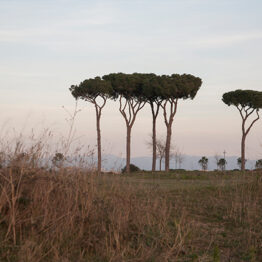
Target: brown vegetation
[(74, 215)]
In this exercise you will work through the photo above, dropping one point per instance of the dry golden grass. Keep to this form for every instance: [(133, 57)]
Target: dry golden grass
[(74, 215)]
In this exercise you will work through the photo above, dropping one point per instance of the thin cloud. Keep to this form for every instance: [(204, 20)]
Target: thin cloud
[(226, 40), (71, 23)]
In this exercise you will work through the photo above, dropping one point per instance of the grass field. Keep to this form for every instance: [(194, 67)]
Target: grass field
[(74, 215)]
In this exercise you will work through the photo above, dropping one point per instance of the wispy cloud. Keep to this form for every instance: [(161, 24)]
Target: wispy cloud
[(215, 41), (67, 24)]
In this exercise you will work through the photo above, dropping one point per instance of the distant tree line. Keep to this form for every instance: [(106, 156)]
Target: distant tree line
[(134, 91)]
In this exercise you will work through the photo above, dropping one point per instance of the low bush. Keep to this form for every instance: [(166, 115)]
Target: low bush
[(133, 168)]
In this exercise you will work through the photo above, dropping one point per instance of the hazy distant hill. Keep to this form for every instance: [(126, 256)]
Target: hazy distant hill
[(111, 162)]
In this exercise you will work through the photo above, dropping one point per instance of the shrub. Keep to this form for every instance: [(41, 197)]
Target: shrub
[(133, 168)]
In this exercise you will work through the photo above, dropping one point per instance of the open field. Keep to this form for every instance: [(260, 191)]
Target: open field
[(73, 215)]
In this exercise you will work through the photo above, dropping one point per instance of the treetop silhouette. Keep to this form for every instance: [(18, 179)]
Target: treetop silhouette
[(175, 87), (93, 90), (129, 88), (134, 91), (247, 102), (246, 99)]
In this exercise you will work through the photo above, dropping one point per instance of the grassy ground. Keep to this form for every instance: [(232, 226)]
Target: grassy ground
[(72, 215), (224, 210)]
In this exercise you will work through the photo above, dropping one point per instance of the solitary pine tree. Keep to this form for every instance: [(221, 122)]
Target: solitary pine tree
[(152, 91), (129, 89), (175, 87), (247, 102), (95, 91)]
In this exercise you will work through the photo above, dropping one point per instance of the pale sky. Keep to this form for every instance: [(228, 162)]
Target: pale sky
[(46, 46)]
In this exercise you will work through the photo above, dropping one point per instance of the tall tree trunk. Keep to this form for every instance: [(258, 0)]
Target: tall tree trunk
[(99, 151), (128, 148), (168, 144), (129, 110), (154, 144), (245, 113), (98, 108), (243, 157), (160, 164), (154, 117), (243, 140), (168, 122)]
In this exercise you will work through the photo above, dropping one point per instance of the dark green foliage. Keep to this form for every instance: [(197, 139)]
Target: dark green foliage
[(259, 164), (133, 168), (203, 162), (126, 85), (92, 88), (239, 162), (180, 86), (222, 163), (151, 87), (243, 98)]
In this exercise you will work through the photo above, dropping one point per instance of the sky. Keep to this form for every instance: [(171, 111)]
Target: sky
[(47, 46)]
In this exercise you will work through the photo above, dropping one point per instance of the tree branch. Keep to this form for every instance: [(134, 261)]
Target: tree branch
[(139, 105), (165, 114), (122, 110), (130, 110), (250, 112), (253, 122), (152, 105), (240, 111)]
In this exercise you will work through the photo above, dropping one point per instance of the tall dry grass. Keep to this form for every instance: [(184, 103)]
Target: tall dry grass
[(71, 214)]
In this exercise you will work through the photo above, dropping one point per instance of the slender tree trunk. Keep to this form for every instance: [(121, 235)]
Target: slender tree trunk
[(129, 110), (168, 144), (99, 151), (245, 113), (243, 141), (98, 108), (243, 157), (168, 122), (160, 164), (154, 144), (128, 148), (154, 117)]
